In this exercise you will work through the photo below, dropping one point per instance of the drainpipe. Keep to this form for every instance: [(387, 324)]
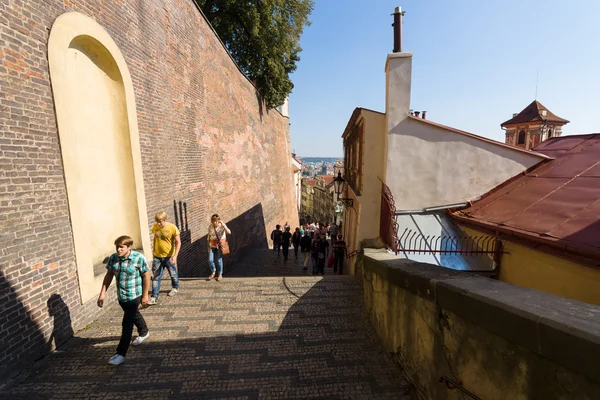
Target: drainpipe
[(504, 129)]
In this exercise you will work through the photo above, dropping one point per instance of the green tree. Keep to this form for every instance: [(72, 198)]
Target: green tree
[(262, 36)]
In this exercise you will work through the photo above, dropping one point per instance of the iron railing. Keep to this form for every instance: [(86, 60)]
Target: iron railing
[(415, 242), (388, 227)]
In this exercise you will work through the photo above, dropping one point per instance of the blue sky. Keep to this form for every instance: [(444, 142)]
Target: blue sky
[(474, 64)]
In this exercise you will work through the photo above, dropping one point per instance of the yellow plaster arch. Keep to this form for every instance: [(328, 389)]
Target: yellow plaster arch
[(76, 35)]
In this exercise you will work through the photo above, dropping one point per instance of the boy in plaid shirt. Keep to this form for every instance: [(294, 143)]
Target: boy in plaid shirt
[(133, 282)]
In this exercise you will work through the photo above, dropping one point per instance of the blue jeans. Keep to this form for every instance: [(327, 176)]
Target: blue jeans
[(158, 267), (212, 254), (315, 263)]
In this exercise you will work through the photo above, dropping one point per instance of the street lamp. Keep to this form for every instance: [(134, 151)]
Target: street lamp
[(340, 185)]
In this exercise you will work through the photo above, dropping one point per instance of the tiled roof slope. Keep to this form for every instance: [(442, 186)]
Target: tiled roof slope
[(557, 202), (532, 113), (327, 179)]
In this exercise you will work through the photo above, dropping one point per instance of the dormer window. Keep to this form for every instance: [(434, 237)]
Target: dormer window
[(521, 138)]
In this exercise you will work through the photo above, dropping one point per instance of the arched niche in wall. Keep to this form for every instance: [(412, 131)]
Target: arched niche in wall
[(97, 126)]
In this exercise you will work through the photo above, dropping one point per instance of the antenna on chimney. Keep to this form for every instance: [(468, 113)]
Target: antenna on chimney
[(398, 13)]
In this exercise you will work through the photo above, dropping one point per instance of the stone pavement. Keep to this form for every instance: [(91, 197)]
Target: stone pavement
[(246, 337)]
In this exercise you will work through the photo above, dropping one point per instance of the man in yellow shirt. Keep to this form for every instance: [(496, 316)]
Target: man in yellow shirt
[(165, 249)]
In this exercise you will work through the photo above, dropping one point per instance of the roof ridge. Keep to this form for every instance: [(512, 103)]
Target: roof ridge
[(482, 138)]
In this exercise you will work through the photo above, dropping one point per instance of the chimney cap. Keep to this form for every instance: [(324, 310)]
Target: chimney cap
[(398, 10)]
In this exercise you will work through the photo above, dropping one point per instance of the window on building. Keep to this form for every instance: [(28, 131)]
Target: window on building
[(550, 132), (521, 139), (353, 157)]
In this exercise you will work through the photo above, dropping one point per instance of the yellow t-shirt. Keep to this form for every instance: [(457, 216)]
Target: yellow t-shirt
[(164, 239)]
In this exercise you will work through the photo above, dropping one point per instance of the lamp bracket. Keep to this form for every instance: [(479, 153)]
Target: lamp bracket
[(348, 203)]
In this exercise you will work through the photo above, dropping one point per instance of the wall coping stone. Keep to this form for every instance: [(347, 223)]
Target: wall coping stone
[(563, 330)]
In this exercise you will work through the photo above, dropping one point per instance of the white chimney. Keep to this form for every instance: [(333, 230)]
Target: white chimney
[(398, 71)]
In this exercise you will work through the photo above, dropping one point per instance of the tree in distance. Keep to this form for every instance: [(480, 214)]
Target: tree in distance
[(263, 38)]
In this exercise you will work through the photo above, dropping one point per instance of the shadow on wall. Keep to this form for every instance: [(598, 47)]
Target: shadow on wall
[(248, 232), (19, 329), (317, 341), (261, 104), (62, 328)]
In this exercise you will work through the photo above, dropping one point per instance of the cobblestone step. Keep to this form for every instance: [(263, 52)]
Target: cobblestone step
[(266, 331)]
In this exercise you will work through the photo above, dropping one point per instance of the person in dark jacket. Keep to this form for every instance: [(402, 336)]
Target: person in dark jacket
[(296, 237), (276, 238), (305, 243), (323, 253), (286, 238), (315, 250), (339, 253)]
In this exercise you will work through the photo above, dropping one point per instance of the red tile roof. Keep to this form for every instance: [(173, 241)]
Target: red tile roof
[(533, 113), (557, 202), (328, 179), (309, 182)]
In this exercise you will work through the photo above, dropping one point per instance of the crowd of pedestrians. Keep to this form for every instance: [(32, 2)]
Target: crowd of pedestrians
[(314, 241)]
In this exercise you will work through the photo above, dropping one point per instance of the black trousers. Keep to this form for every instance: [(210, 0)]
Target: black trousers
[(322, 266), (338, 265), (286, 250), (132, 316), (296, 246)]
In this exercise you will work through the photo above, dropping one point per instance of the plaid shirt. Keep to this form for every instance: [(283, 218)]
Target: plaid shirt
[(128, 272)]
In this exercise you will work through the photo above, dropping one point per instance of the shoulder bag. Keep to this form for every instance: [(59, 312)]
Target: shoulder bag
[(223, 246)]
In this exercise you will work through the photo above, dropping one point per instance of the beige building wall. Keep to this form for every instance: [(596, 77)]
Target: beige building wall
[(529, 267), (373, 171), (429, 165), (297, 172), (362, 220)]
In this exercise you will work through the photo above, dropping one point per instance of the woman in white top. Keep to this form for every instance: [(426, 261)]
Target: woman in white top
[(217, 231)]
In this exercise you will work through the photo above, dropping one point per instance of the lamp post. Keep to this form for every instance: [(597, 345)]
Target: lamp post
[(340, 185)]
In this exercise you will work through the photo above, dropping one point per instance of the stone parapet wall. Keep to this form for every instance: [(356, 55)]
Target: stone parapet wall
[(207, 145), (501, 341)]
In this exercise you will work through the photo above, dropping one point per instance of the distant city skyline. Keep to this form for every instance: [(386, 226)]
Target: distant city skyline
[(475, 64)]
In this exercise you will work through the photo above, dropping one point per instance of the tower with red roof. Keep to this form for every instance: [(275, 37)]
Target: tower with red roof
[(532, 126)]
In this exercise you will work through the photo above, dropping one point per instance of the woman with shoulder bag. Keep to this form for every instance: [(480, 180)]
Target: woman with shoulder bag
[(217, 245)]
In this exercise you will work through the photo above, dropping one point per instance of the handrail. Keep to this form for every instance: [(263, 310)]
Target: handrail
[(451, 385)]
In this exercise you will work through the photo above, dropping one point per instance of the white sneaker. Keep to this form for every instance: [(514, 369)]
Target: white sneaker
[(152, 301), (117, 359), (173, 292), (138, 340)]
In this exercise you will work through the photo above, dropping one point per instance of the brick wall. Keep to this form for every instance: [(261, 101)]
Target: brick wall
[(207, 146)]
